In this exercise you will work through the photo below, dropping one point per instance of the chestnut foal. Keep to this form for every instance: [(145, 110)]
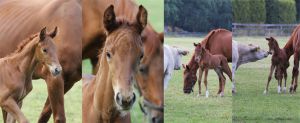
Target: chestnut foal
[(280, 63), (208, 61), (17, 69)]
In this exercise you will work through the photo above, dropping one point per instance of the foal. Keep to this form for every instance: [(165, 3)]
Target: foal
[(280, 63), (109, 96), (17, 69), (208, 61)]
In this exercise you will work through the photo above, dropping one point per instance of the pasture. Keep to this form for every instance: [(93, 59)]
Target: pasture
[(183, 108), (249, 104)]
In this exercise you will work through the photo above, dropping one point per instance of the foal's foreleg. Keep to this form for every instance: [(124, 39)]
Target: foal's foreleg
[(4, 114), (205, 82), (269, 78), (285, 78), (199, 80), (12, 108)]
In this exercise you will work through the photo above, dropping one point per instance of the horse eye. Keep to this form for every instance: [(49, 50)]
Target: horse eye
[(45, 50), (108, 55)]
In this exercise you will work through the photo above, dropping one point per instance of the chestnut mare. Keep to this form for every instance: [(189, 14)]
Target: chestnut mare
[(217, 41), (293, 47), (21, 18), (150, 77), (208, 61), (109, 97), (279, 62), (17, 69)]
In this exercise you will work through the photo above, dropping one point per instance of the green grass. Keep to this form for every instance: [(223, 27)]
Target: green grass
[(34, 102), (250, 105), (156, 17), (182, 108)]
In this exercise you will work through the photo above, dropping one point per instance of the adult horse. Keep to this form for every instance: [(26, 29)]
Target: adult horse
[(150, 79), (20, 19), (293, 47), (218, 41), (109, 97)]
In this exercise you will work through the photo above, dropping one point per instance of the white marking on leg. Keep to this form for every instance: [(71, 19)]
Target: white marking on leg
[(206, 94), (284, 89), (265, 92), (279, 89)]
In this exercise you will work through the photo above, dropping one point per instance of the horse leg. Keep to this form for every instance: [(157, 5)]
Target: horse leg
[(167, 79), (285, 78), (295, 73), (4, 114), (47, 111), (10, 118), (269, 78), (13, 109), (199, 80), (218, 71), (223, 80), (233, 79), (205, 82), (55, 100)]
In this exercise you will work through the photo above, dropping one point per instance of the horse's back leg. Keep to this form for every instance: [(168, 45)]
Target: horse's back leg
[(233, 79), (13, 109), (269, 78), (285, 78), (205, 82), (220, 76), (4, 114), (295, 73)]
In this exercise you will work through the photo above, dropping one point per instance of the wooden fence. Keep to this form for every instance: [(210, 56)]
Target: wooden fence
[(240, 29)]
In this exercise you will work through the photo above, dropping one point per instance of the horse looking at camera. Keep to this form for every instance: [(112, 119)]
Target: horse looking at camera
[(208, 61), (17, 70), (109, 96)]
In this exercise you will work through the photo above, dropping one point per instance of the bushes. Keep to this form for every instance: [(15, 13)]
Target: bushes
[(264, 11)]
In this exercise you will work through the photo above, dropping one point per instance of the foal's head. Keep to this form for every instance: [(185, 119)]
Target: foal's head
[(46, 51), (273, 45), (199, 52), (123, 52)]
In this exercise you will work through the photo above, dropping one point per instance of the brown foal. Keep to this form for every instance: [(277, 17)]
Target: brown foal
[(208, 61), (17, 69), (280, 63), (109, 96)]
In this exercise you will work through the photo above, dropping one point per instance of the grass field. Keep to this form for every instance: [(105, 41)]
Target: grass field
[(250, 105), (155, 16), (182, 108)]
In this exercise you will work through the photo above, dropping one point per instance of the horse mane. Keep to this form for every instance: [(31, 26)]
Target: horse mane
[(23, 44)]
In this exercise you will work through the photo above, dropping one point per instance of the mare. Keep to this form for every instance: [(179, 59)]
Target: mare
[(218, 41), (150, 78), (109, 96), (21, 18), (293, 47), (172, 56), (208, 61), (17, 69), (279, 62)]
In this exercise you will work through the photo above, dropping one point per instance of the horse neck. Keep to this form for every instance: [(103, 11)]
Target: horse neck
[(25, 59), (193, 65), (103, 94), (288, 48), (207, 55), (276, 48)]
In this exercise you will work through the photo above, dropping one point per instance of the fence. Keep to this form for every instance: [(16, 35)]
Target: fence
[(262, 29)]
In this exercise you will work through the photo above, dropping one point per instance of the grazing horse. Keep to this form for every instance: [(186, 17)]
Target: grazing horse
[(293, 47), (218, 41), (242, 54), (172, 56), (150, 78), (21, 18), (18, 67), (208, 61), (279, 62), (109, 97)]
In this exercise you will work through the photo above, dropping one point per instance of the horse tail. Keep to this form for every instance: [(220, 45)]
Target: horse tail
[(226, 68)]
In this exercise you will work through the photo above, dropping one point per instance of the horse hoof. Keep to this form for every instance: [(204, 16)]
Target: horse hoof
[(284, 90), (278, 90), (198, 95), (265, 92), (221, 94), (206, 94)]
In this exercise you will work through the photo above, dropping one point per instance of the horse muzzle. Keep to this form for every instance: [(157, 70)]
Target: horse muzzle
[(55, 69), (125, 102)]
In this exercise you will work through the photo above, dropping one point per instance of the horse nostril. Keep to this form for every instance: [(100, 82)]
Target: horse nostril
[(118, 97), (134, 97), (57, 71), (155, 120)]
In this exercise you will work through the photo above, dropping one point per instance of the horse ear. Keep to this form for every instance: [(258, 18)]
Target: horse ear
[(141, 18), (187, 67), (268, 38), (53, 33), (183, 52), (183, 66), (109, 19), (195, 44), (43, 34), (161, 37)]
